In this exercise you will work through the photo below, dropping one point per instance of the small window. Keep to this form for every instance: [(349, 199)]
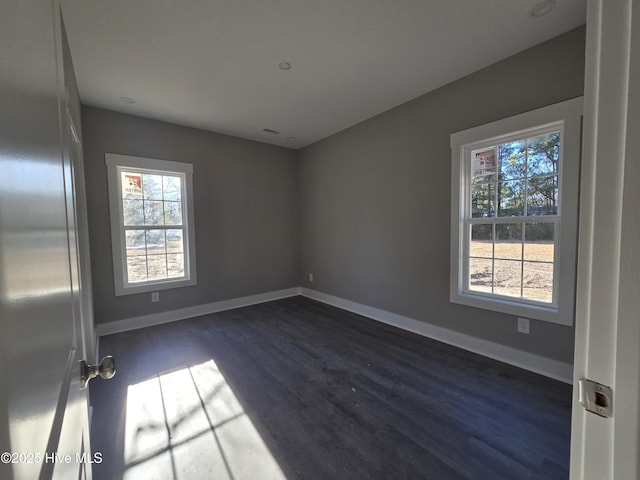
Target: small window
[(151, 223), (514, 213)]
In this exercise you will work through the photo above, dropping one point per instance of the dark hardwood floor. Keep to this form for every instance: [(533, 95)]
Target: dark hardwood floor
[(332, 395)]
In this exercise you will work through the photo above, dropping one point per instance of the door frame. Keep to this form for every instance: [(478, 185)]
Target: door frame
[(607, 346)]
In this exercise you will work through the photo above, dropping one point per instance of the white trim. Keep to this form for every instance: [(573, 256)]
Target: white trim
[(115, 163), (607, 327), (534, 363), (566, 117), (144, 163), (143, 321)]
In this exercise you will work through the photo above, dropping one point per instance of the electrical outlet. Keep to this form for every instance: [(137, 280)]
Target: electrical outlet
[(155, 296), (523, 325), (311, 277)]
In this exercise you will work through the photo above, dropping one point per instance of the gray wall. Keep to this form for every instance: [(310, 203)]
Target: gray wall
[(375, 198), (245, 211), (367, 210)]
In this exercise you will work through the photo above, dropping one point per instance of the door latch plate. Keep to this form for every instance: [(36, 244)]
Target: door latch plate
[(596, 398)]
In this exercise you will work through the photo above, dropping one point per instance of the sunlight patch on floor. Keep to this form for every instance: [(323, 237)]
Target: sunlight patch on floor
[(189, 424)]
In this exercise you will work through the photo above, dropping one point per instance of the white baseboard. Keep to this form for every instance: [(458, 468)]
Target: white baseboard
[(535, 363), (134, 323), (528, 361)]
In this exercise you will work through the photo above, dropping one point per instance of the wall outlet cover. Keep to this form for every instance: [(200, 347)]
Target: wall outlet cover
[(523, 325)]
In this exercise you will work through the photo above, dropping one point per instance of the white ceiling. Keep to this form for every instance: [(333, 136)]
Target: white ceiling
[(213, 64)]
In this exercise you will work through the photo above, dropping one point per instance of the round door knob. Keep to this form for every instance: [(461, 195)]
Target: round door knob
[(106, 369)]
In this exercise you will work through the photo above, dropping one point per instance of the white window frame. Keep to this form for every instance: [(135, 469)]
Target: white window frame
[(565, 117), (115, 164)]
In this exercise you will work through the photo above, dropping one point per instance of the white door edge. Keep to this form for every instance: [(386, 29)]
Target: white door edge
[(607, 346)]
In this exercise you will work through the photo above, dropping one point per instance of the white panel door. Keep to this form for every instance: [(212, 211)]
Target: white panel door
[(608, 290), (43, 412)]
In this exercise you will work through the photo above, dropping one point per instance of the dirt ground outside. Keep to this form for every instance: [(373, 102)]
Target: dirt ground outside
[(157, 264), (517, 270)]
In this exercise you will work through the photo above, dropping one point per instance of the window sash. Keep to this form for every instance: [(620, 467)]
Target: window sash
[(167, 254), (147, 227), (466, 271), (495, 142)]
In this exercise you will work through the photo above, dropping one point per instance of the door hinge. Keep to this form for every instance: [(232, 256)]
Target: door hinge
[(596, 398)]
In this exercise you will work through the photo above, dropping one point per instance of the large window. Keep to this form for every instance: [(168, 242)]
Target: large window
[(514, 214), (151, 223)]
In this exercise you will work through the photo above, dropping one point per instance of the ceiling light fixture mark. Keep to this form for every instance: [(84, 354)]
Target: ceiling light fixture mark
[(284, 66), (541, 9)]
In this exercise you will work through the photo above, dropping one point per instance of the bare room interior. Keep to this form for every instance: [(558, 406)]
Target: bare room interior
[(319, 240)]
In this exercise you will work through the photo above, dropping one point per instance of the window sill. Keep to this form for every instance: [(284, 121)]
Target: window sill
[(550, 314), (153, 286)]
